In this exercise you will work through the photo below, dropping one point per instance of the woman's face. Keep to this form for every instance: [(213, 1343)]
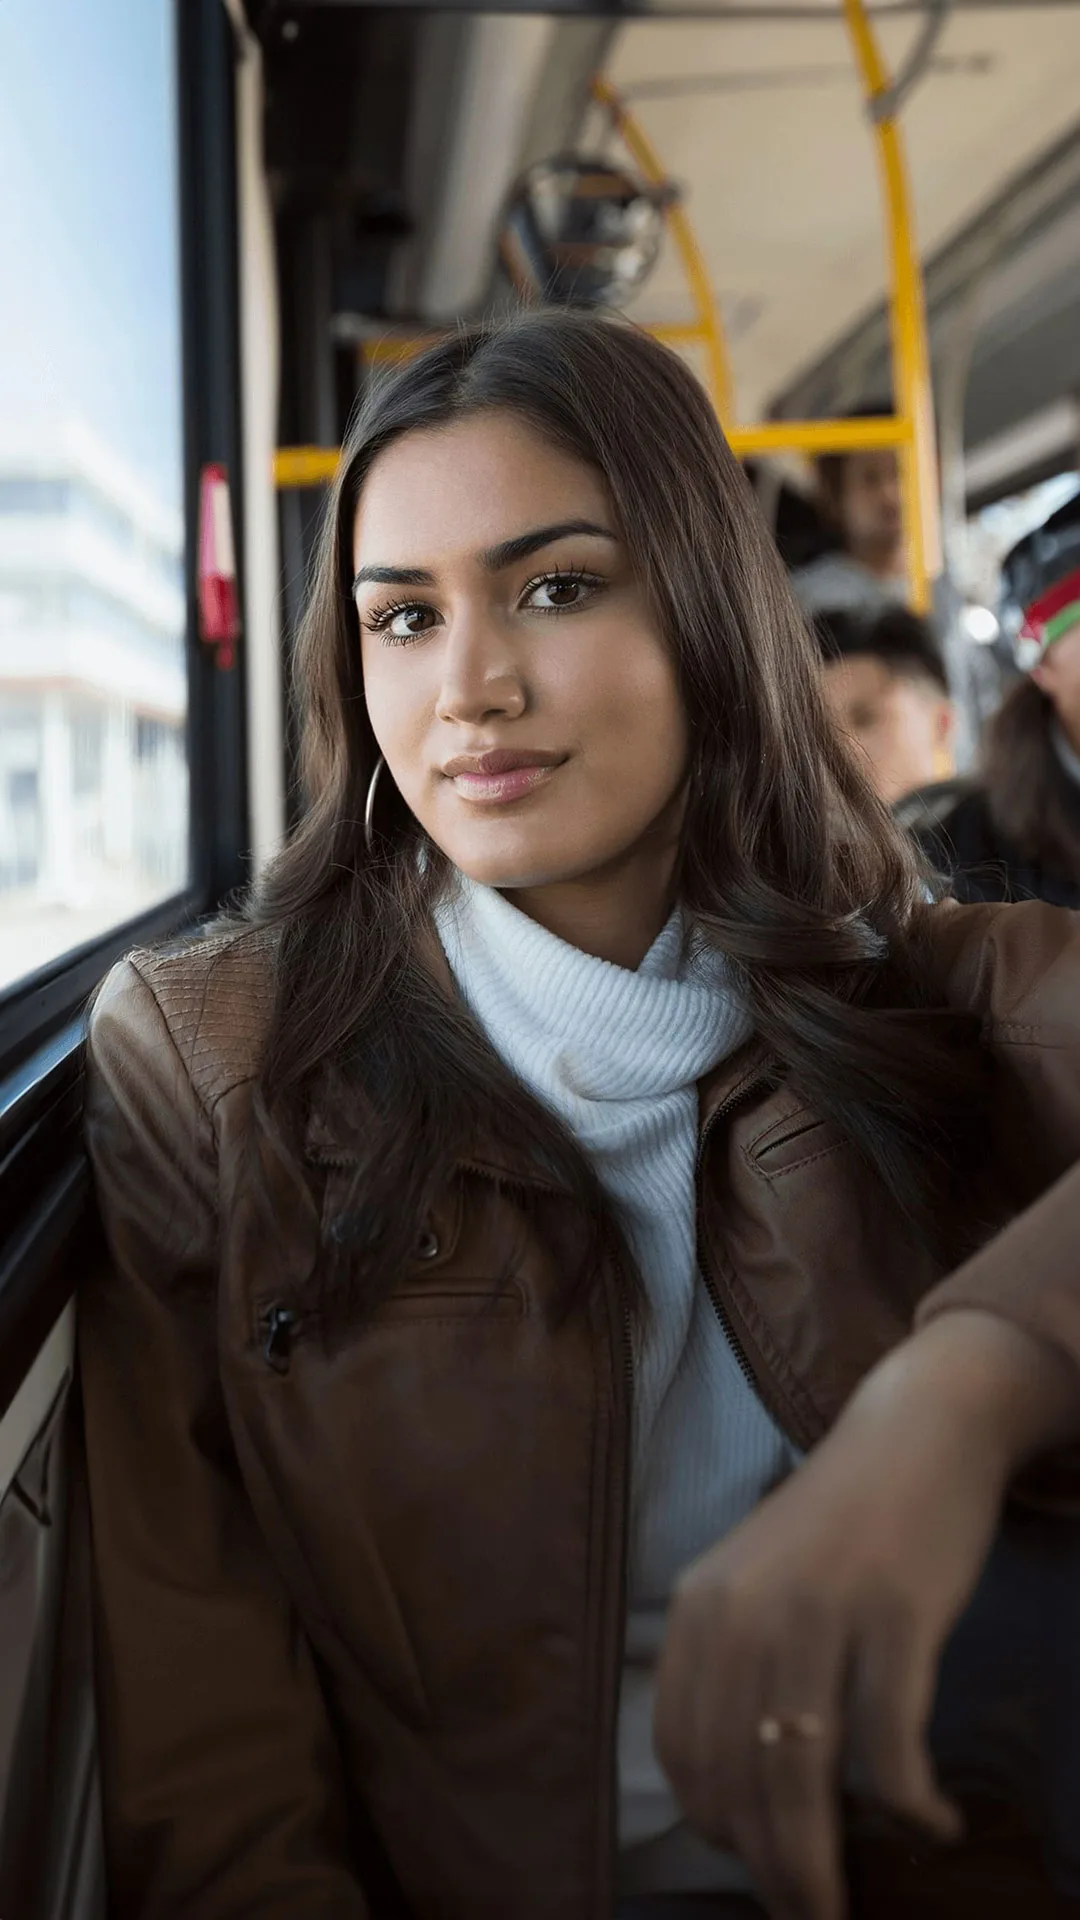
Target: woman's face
[(517, 684)]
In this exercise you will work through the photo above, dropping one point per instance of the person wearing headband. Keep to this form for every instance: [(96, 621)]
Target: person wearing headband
[(1014, 834)]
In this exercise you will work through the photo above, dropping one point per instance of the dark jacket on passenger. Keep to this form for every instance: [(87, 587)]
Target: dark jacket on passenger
[(376, 1587), (955, 827)]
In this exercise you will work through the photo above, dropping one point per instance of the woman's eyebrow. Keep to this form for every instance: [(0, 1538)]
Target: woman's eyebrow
[(393, 577), (523, 544), (493, 560)]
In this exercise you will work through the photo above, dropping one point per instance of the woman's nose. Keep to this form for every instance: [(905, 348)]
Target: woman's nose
[(481, 679)]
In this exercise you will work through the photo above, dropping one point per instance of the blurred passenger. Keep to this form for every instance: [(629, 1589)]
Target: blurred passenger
[(860, 500), (886, 685), (1014, 834), (859, 495), (1043, 557), (553, 1405)]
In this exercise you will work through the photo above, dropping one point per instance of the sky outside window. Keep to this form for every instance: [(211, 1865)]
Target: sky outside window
[(93, 820)]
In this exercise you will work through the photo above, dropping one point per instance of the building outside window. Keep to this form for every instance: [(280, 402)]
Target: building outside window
[(93, 669)]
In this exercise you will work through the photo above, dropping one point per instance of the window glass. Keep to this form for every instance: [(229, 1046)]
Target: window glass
[(93, 679)]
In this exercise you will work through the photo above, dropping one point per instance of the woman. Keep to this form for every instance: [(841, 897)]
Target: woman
[(1015, 834), (423, 1470)]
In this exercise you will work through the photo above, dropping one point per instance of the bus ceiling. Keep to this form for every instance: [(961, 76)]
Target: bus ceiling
[(394, 137)]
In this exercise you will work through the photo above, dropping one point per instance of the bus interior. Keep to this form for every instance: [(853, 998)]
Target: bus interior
[(222, 220)]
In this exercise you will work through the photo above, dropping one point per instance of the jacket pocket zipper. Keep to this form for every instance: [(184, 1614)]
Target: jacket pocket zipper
[(785, 1139)]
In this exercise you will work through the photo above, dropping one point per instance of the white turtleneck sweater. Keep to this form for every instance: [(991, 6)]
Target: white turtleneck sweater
[(618, 1055)]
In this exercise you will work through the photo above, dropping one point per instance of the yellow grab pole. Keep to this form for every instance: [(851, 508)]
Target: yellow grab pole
[(817, 436), (305, 466), (907, 316), (680, 333), (394, 349), (910, 431), (312, 466), (709, 329)]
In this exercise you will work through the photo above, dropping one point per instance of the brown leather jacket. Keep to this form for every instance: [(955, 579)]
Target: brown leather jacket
[(368, 1602)]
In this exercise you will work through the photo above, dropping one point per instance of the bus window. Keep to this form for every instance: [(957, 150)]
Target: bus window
[(93, 679)]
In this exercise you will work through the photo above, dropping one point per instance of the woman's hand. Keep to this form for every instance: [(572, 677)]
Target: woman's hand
[(826, 1612)]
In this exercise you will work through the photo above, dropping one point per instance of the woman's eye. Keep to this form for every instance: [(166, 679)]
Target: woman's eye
[(560, 592), (403, 623)]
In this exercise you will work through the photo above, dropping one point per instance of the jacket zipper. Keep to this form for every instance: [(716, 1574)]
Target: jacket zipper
[(735, 1101), (740, 1098)]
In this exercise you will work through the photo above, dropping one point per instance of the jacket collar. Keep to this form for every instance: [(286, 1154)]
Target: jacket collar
[(732, 1081), (726, 1086)]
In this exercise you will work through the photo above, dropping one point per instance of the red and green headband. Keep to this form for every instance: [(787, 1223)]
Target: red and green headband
[(1054, 614)]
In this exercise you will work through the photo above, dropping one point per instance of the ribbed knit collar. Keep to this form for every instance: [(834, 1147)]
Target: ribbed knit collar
[(582, 1031)]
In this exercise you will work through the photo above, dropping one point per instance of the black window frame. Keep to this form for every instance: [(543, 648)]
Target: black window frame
[(45, 1211)]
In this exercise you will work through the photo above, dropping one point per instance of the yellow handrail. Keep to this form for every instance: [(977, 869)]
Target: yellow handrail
[(818, 436), (907, 320), (391, 349), (312, 466), (910, 430), (305, 466), (707, 330)]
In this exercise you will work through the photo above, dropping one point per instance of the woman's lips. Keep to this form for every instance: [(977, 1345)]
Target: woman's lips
[(493, 788), (492, 779)]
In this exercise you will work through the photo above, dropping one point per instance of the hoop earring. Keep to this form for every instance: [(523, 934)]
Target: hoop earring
[(369, 810)]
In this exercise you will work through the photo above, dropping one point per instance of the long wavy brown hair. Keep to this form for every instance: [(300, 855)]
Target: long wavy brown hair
[(789, 864)]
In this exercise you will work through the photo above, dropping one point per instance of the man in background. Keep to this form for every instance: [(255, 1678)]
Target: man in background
[(860, 502), (886, 685)]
